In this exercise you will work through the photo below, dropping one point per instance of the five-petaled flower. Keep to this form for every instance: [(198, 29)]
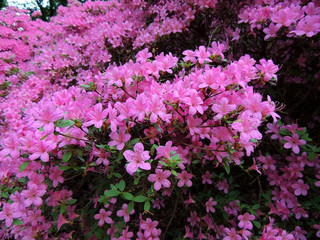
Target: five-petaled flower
[(137, 159), (184, 178), (160, 179), (245, 221), (103, 217)]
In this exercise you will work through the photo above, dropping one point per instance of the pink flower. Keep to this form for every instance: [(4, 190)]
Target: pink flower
[(103, 217), (119, 139), (126, 235), (124, 213), (137, 159), (245, 221), (96, 116), (309, 25), (184, 179), (294, 142), (33, 195), (223, 107), (149, 227), (160, 179), (10, 146), (231, 234), (300, 188), (284, 17), (193, 219), (317, 226), (55, 176), (61, 220), (271, 31), (164, 151), (223, 186), (8, 213), (41, 149), (206, 178), (268, 69), (210, 204), (202, 54)]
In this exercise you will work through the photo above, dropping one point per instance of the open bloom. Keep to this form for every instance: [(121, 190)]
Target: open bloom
[(160, 179), (184, 179), (245, 221), (103, 217), (137, 159), (294, 142)]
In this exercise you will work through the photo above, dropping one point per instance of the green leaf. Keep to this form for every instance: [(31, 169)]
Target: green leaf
[(66, 157), (64, 123), (136, 181), (44, 137), (122, 185), (128, 196), (146, 206), (227, 168), (72, 201), (255, 207), (253, 140), (156, 126), (256, 224), (64, 168), (130, 207), (117, 175), (41, 129), (175, 157), (85, 86), (23, 166), (163, 163), (112, 193), (17, 221), (225, 215), (22, 180), (140, 198), (63, 208), (174, 173), (134, 141)]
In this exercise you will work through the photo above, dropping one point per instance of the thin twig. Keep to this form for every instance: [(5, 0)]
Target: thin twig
[(171, 218)]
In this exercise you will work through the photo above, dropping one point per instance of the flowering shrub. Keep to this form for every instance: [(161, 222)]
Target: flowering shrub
[(103, 138)]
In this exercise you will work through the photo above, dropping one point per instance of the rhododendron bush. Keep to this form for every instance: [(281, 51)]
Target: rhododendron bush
[(111, 129)]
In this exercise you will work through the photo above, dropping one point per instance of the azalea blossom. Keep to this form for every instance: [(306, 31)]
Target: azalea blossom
[(160, 179), (137, 159)]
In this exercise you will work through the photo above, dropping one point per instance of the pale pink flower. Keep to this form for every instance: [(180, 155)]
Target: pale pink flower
[(124, 213), (245, 221), (294, 142), (96, 116), (268, 69), (160, 179), (55, 176), (33, 195), (222, 107), (231, 234), (202, 54), (119, 139), (184, 179), (149, 227), (103, 217), (137, 158)]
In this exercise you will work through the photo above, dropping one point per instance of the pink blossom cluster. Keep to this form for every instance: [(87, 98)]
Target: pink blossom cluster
[(273, 16), (94, 127)]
